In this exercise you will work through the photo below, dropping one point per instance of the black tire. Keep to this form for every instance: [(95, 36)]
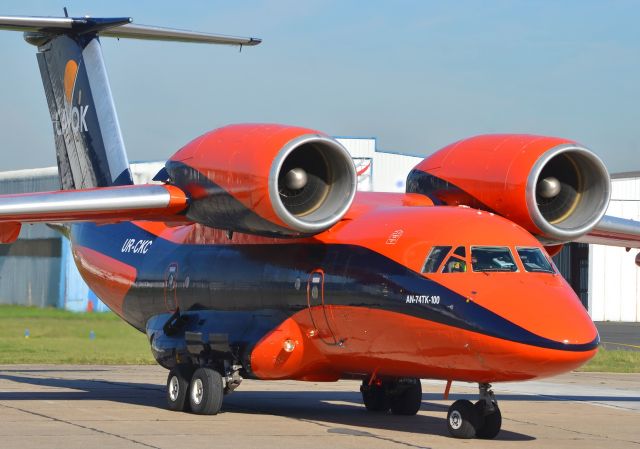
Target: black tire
[(178, 388), (205, 392), (408, 399), (490, 423), (462, 419), (375, 397)]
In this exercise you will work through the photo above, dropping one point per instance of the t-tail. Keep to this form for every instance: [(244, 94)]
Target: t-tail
[(92, 160), (89, 144)]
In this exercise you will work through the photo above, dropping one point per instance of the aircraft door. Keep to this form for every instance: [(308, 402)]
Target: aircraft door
[(315, 300)]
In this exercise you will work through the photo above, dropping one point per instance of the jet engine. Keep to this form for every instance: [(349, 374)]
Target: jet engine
[(265, 179), (555, 188)]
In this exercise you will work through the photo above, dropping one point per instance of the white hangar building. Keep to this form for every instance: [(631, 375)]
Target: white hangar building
[(606, 279), (614, 278)]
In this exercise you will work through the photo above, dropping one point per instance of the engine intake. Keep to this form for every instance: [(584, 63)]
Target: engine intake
[(311, 178), (265, 179), (555, 188), (568, 191)]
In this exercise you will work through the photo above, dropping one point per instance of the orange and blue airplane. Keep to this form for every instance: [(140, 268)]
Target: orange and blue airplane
[(251, 255)]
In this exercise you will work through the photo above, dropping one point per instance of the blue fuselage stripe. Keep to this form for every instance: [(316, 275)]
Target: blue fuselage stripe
[(258, 277)]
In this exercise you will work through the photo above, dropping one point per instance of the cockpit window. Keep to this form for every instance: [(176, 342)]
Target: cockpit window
[(533, 260), (436, 256), (460, 251), (492, 258), (454, 265)]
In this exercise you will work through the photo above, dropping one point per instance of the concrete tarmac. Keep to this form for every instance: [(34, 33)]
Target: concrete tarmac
[(106, 407), (619, 335)]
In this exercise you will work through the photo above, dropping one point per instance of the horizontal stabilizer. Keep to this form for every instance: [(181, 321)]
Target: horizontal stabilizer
[(133, 31), (44, 24), (119, 27), (107, 204), (614, 231)]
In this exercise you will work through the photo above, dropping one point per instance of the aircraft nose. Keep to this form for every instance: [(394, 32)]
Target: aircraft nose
[(563, 318), (568, 336), (551, 335)]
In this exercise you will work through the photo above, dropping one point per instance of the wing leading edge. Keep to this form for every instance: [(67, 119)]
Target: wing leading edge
[(106, 205), (614, 231)]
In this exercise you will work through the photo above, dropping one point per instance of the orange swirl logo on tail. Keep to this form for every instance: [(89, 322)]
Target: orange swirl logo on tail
[(70, 75), (69, 116)]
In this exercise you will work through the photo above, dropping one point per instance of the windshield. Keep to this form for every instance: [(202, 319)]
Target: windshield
[(492, 258), (435, 258), (533, 260)]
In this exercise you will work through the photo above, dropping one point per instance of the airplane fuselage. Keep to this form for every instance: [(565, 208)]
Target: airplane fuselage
[(346, 303)]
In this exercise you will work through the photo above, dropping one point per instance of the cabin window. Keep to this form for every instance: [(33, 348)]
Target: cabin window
[(435, 258), (492, 258), (534, 260)]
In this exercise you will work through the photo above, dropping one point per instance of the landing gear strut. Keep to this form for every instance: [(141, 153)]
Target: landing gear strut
[(482, 419), (402, 396), (487, 408)]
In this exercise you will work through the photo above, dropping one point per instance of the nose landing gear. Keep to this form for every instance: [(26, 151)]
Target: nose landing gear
[(482, 419)]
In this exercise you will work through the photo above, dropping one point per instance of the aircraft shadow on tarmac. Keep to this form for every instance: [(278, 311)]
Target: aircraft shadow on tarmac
[(325, 408), (333, 409)]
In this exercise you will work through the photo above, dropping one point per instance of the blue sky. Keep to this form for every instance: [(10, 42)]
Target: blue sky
[(415, 74)]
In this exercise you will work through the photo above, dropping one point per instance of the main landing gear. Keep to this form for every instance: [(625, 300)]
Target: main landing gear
[(199, 389), (403, 396), (482, 419)]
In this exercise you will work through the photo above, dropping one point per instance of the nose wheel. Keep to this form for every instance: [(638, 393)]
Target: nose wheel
[(481, 420)]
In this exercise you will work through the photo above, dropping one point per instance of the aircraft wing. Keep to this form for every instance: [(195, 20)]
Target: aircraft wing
[(106, 204), (614, 231)]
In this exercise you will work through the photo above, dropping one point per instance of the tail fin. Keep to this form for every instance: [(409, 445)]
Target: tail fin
[(89, 144)]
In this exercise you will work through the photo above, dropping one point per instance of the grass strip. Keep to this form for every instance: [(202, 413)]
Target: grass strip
[(59, 336), (614, 361)]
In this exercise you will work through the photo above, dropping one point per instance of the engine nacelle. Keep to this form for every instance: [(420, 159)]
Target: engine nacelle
[(265, 179), (554, 188)]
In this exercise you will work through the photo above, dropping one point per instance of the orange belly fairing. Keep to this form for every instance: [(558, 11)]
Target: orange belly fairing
[(397, 345)]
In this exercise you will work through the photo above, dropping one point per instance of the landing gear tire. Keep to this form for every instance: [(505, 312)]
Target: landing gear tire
[(408, 399), (205, 392), (178, 388), (490, 422), (462, 419), (375, 397)]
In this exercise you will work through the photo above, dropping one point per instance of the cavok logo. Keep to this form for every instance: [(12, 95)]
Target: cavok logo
[(71, 116)]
